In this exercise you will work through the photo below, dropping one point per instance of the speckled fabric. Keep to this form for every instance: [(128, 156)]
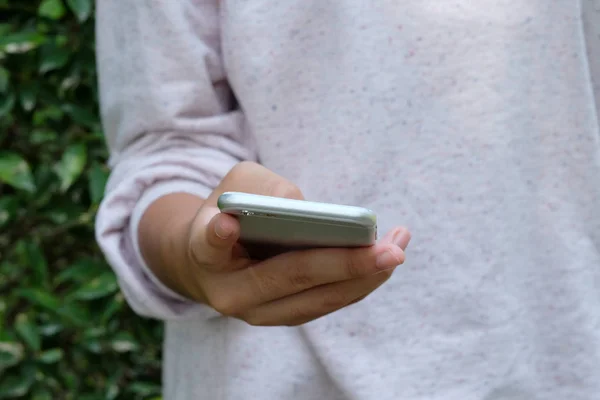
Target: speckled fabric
[(474, 123)]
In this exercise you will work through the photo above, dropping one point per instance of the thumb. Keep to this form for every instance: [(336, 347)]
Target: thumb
[(213, 241), (214, 235)]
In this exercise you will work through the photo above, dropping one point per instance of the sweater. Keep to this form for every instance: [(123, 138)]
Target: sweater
[(473, 123)]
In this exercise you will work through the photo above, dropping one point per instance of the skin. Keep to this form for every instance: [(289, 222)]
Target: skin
[(193, 249)]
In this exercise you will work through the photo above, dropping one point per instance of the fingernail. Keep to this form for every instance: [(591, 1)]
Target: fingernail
[(387, 260), (401, 239), (222, 230)]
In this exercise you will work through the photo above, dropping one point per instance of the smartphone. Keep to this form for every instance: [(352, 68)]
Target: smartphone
[(273, 225)]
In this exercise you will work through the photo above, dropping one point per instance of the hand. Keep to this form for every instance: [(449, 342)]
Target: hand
[(290, 289)]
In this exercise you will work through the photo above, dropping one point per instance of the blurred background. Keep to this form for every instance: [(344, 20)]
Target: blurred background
[(65, 330)]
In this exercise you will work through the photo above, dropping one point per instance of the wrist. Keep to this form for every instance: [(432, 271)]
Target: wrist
[(163, 235)]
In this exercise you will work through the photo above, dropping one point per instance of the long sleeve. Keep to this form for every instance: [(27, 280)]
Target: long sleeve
[(168, 119), (591, 23)]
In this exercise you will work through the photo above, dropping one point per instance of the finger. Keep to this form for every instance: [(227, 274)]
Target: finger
[(250, 177), (295, 272), (400, 236), (213, 240), (314, 303)]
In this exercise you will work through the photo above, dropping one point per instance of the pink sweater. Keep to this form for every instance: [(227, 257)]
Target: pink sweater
[(474, 123)]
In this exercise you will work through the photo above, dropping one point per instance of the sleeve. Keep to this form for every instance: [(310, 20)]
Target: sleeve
[(169, 124), (591, 24)]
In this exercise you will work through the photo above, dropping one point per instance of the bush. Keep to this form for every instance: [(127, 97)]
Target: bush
[(65, 330)]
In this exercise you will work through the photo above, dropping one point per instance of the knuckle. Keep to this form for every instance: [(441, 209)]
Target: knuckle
[(271, 184), (299, 276), (225, 304), (285, 189), (240, 168), (353, 265), (298, 315), (294, 192), (241, 171), (236, 172), (265, 285), (193, 255), (333, 299), (254, 319)]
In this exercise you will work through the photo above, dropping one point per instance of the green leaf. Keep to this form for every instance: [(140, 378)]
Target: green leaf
[(94, 332), (45, 182), (4, 79), (71, 381), (28, 95), (81, 271), (40, 136), (9, 273), (123, 342), (20, 42), (31, 257), (112, 391), (8, 209), (49, 96), (11, 353), (81, 8), (51, 356), (74, 313), (43, 116), (40, 298), (144, 389), (71, 165), (61, 315), (28, 331), (6, 104), (41, 394), (61, 40), (98, 287), (15, 386), (114, 306), (69, 83), (50, 329), (81, 115), (15, 171), (53, 57), (93, 346), (91, 397), (5, 28), (97, 177), (53, 9), (3, 333)]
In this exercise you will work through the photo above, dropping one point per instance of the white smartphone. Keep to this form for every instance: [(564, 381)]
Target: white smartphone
[(272, 225)]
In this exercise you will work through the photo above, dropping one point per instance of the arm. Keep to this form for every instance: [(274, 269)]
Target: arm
[(172, 139), (166, 111)]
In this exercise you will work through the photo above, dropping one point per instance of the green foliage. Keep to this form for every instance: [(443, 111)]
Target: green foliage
[(65, 330)]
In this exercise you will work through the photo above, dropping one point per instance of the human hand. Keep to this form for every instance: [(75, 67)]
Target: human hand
[(289, 289)]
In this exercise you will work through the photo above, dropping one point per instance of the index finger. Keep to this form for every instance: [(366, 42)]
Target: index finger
[(294, 272), (250, 177)]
